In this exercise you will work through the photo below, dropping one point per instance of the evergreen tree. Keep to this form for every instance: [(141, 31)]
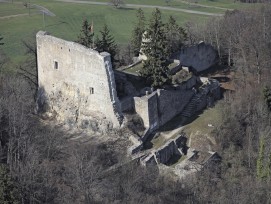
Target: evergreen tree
[(176, 35), (268, 170), (7, 189), (267, 96), (154, 46), (106, 43), (86, 34), (138, 32), (1, 38)]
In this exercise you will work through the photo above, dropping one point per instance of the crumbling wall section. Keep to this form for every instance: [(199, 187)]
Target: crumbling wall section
[(78, 82), (164, 154)]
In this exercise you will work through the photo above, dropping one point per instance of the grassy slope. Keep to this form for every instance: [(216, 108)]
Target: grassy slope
[(218, 3), (228, 4), (67, 22), (11, 9)]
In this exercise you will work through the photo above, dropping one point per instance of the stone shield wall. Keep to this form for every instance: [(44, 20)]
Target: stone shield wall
[(77, 82)]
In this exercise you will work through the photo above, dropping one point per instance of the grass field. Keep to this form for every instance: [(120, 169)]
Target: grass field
[(228, 4), (11, 9), (210, 116), (67, 22)]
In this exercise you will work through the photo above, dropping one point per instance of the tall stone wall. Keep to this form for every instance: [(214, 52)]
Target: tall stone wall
[(146, 107), (161, 106), (77, 82)]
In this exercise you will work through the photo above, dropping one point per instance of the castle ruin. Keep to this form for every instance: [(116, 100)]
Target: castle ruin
[(77, 85)]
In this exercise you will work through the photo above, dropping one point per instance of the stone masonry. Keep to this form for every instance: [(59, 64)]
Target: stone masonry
[(160, 106), (75, 82)]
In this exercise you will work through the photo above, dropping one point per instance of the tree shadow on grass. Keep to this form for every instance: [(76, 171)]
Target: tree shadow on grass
[(179, 121), (126, 8)]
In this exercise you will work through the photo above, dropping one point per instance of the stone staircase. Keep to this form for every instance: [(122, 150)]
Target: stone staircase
[(190, 108)]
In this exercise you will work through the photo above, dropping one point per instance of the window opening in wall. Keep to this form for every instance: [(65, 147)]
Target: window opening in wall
[(91, 89), (55, 64)]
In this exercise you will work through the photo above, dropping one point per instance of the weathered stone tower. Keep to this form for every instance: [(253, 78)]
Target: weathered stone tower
[(75, 82)]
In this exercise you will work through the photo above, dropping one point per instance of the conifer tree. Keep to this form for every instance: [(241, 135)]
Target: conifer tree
[(138, 31), (176, 35), (86, 34), (106, 43), (267, 96), (155, 68), (268, 169), (1, 38)]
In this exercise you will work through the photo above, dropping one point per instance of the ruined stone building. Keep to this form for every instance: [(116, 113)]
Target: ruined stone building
[(77, 85)]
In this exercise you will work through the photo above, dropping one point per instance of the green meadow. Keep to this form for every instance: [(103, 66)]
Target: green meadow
[(67, 22)]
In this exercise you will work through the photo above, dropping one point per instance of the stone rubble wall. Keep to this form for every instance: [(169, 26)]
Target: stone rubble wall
[(163, 154), (78, 82)]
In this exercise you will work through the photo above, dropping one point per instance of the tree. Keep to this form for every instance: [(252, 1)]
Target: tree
[(116, 3), (138, 31), (29, 68), (168, 1), (125, 55), (7, 188), (106, 43), (86, 34), (176, 35), (267, 96), (1, 43), (3, 58), (155, 68)]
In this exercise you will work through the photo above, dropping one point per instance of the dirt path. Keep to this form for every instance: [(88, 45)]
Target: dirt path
[(145, 6), (13, 16), (205, 6), (43, 10), (38, 7)]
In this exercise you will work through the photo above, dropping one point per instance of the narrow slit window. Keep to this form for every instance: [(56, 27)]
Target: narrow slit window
[(91, 90), (55, 64)]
